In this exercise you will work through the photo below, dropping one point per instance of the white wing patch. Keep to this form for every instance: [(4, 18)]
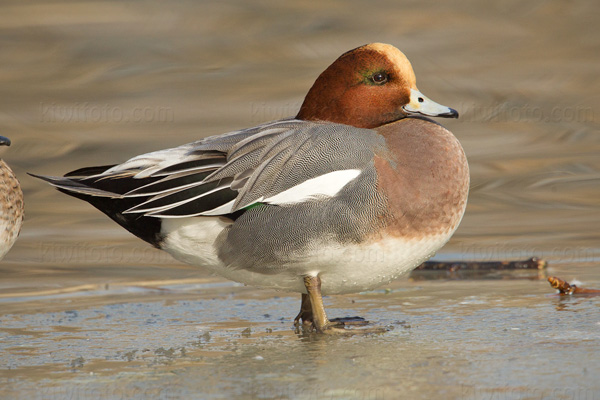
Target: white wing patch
[(327, 185), (221, 210)]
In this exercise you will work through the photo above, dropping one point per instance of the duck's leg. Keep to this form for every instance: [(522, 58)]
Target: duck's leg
[(312, 313), (305, 313), (319, 318)]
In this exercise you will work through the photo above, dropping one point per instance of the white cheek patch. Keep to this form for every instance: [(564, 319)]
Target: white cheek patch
[(327, 185)]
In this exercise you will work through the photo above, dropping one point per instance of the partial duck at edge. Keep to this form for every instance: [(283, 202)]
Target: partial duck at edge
[(11, 205)]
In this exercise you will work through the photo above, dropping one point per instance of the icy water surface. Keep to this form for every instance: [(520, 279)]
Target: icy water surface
[(213, 340), (87, 311)]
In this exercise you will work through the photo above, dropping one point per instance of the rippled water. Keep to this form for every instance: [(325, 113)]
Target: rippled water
[(88, 311)]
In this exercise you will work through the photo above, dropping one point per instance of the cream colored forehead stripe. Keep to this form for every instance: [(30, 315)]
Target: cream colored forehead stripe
[(397, 58)]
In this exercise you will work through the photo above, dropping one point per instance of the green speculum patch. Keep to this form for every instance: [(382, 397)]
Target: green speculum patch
[(253, 205)]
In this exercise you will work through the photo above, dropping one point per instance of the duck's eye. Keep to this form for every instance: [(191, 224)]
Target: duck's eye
[(380, 78)]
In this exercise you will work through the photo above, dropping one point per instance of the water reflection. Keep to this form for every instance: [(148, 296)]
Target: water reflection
[(572, 303)]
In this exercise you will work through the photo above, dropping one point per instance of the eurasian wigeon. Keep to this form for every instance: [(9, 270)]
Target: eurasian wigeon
[(356, 190), (11, 205)]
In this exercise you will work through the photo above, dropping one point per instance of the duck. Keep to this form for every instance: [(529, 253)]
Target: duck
[(356, 190), (11, 205)]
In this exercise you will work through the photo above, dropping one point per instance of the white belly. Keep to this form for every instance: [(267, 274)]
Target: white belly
[(342, 268)]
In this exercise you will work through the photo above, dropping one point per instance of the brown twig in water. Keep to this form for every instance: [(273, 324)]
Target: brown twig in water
[(454, 266), (565, 287)]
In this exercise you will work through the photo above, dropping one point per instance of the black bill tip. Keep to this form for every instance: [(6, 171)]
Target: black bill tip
[(4, 141), (450, 114)]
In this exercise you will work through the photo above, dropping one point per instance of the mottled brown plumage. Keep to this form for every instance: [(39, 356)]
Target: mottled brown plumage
[(11, 205)]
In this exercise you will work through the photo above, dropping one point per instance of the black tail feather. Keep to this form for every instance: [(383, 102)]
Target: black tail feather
[(146, 228)]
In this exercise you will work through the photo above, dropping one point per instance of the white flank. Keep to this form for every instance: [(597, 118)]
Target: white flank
[(343, 268), (327, 185), (192, 240)]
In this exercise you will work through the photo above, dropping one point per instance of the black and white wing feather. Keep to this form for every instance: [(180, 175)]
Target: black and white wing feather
[(279, 163)]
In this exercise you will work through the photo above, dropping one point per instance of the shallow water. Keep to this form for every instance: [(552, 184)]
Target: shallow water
[(87, 311)]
